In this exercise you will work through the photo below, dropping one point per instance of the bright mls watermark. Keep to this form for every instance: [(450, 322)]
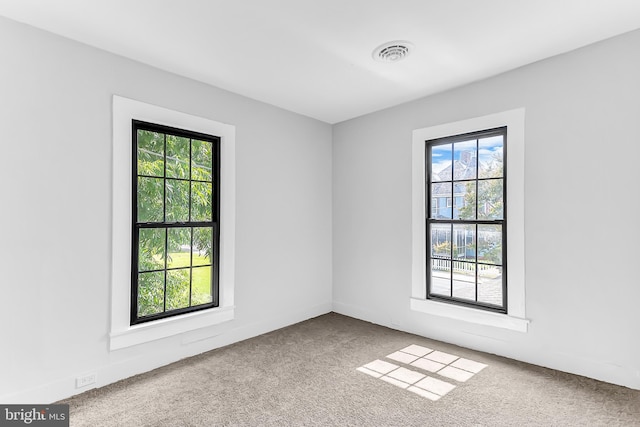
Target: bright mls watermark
[(34, 415)]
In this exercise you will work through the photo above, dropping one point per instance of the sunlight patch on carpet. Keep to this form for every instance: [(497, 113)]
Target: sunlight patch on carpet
[(432, 361)]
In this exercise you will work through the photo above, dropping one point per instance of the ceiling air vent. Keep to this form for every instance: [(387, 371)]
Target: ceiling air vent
[(392, 51)]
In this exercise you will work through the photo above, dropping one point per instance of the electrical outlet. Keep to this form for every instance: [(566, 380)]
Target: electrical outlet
[(86, 380)]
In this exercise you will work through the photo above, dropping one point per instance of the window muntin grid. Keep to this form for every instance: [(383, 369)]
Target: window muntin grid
[(175, 221), (466, 219)]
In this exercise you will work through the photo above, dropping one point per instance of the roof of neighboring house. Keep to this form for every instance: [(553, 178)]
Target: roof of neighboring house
[(460, 170)]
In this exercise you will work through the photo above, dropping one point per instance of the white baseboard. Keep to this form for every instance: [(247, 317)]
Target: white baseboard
[(363, 314), (190, 344), (596, 369)]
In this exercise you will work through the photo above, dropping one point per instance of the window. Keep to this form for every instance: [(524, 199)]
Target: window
[(466, 235), (125, 114), (175, 222), (466, 254)]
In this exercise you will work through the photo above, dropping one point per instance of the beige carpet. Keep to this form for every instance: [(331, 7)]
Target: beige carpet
[(306, 375)]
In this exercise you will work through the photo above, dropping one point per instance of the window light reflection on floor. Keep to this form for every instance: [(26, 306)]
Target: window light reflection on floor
[(432, 361)]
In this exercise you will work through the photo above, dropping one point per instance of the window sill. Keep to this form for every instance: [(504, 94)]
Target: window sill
[(151, 331), (470, 315)]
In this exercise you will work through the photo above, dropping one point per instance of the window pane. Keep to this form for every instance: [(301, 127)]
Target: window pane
[(441, 277), (490, 199), (150, 197), (201, 201), (465, 200), (174, 225), (441, 240), (464, 280), (150, 153), (202, 245), (177, 200), (151, 249), (178, 288), (491, 157), (467, 181), (179, 247), (441, 162), (201, 160), (177, 157), (201, 290), (464, 155), (441, 192), (150, 293), (464, 242), (490, 284), (490, 244)]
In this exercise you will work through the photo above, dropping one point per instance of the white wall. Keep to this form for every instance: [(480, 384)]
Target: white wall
[(55, 183), (581, 211)]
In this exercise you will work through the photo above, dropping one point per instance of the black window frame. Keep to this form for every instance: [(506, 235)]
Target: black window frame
[(137, 125), (430, 219)]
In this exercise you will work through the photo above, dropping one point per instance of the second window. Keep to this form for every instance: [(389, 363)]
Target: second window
[(466, 221), (175, 222)]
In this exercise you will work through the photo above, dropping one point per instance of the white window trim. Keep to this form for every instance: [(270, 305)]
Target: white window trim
[(122, 333), (515, 319)]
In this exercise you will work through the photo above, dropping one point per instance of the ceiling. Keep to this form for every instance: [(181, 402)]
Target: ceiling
[(314, 57)]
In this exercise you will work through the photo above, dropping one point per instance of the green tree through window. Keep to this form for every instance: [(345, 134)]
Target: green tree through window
[(175, 222)]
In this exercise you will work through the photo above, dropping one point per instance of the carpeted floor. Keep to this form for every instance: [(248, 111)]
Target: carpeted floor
[(306, 375)]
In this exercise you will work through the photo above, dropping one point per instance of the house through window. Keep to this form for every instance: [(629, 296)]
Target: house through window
[(466, 225), (175, 253)]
